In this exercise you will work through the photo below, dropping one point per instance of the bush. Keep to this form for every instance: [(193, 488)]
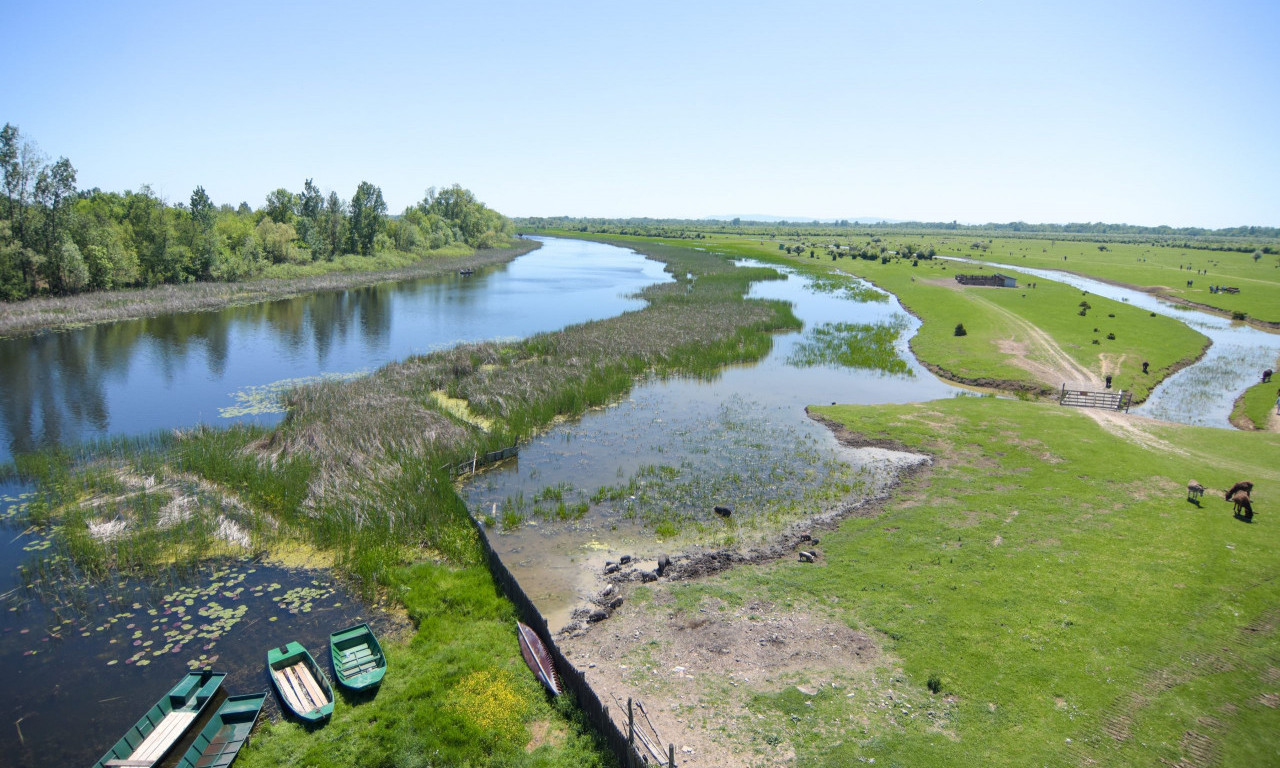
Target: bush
[(934, 683), (960, 331), (1111, 337), (1237, 315)]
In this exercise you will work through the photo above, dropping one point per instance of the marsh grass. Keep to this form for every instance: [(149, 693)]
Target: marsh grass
[(866, 346)]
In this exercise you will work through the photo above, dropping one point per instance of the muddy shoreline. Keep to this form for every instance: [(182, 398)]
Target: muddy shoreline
[(796, 537)]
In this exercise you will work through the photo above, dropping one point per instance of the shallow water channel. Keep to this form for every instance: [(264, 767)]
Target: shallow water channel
[(673, 449), (1202, 394)]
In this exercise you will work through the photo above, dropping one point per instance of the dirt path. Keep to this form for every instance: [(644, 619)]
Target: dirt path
[(1039, 354)]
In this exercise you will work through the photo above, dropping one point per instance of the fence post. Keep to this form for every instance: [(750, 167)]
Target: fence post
[(671, 755), (631, 724)]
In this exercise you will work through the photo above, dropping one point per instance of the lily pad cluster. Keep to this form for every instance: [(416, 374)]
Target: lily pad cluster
[(303, 599)]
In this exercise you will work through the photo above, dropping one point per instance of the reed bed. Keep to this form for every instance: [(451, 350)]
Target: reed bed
[(866, 346)]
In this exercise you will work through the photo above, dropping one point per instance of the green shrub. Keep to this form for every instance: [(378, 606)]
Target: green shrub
[(960, 331)]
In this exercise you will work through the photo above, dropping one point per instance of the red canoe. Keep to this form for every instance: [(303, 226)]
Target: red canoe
[(536, 656)]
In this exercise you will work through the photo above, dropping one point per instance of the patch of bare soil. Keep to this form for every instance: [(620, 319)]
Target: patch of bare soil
[(695, 672)]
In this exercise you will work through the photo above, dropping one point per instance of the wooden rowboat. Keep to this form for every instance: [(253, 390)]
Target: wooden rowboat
[(227, 731), (536, 656), (301, 685), (358, 661), (152, 738)]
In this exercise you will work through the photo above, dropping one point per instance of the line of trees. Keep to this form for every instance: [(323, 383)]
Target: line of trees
[(56, 239)]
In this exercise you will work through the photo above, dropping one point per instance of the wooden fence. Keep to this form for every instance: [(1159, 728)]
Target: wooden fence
[(482, 460), (572, 680), (1115, 400)]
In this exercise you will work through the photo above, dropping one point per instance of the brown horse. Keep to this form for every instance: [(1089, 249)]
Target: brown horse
[(1241, 500), (1243, 485)]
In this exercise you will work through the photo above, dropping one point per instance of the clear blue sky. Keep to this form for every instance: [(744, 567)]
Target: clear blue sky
[(1146, 113)]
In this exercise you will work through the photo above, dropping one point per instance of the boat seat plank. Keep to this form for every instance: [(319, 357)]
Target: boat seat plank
[(129, 763), (285, 685), (360, 668), (312, 686), (304, 696), (163, 737)]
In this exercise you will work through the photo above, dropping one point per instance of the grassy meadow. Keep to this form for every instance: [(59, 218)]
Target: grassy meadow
[(1254, 408), (1111, 337), (1165, 268), (1053, 584)]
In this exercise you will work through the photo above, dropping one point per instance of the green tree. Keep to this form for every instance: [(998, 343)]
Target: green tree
[(368, 210), (280, 205), (335, 228), (310, 210), (65, 269), (55, 189)]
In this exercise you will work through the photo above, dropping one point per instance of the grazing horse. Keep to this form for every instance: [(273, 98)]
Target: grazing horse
[(1243, 485), (1241, 500), (1194, 491)]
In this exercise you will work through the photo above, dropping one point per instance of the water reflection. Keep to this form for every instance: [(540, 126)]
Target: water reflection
[(138, 376)]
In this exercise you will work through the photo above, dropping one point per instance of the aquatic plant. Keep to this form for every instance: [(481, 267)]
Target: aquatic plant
[(867, 346)]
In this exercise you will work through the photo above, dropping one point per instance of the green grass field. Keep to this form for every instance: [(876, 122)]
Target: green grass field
[(1074, 608), (993, 317), (1146, 265), (1257, 404), (456, 694)]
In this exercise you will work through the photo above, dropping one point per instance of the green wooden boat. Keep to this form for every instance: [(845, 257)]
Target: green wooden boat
[(300, 684), (151, 740), (226, 732), (358, 661)]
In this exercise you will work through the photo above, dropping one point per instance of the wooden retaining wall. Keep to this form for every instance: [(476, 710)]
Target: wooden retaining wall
[(571, 679), (480, 461)]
